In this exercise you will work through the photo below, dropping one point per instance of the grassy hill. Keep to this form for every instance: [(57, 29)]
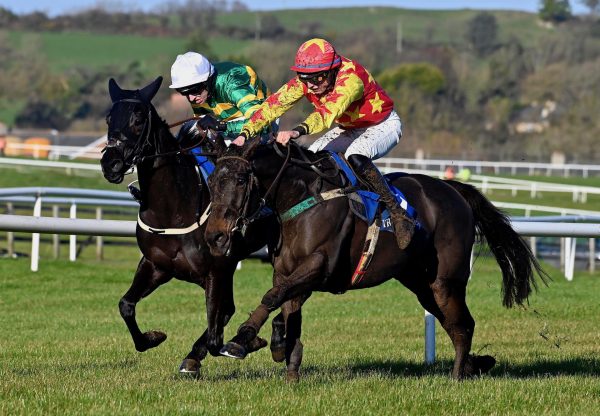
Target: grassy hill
[(69, 49), (443, 26)]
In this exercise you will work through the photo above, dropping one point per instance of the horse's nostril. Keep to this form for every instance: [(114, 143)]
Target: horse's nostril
[(220, 239), (116, 165)]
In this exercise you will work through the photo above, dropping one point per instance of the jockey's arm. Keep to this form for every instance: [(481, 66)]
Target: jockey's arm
[(273, 107), (347, 89)]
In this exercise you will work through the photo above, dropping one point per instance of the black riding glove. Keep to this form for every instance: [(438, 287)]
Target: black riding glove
[(188, 131), (209, 122)]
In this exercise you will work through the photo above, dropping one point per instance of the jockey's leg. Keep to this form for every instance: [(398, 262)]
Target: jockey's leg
[(404, 227), (372, 143)]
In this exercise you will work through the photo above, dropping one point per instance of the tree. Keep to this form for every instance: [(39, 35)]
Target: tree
[(593, 5), (482, 33), (555, 11)]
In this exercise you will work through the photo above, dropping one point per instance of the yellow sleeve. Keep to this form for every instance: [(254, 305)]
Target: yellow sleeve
[(273, 107), (348, 88)]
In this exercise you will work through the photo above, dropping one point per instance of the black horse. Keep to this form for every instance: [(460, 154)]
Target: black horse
[(323, 241), (170, 232)]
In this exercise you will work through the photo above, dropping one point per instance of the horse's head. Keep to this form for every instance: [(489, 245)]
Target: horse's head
[(129, 125), (234, 195)]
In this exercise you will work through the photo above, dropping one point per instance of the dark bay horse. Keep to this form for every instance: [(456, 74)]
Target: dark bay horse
[(323, 241), (170, 235)]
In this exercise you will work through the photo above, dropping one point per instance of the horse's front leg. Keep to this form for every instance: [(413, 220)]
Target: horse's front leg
[(147, 278), (292, 312), (305, 277)]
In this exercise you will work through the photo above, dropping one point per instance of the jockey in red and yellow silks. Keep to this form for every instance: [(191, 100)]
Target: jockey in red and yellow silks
[(343, 92), (356, 101)]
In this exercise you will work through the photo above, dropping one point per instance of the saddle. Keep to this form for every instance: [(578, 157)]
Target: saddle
[(365, 204)]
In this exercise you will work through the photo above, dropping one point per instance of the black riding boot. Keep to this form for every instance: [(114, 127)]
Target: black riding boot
[(404, 227)]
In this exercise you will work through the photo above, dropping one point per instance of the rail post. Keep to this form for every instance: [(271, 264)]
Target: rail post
[(99, 238), (10, 236), (73, 237), (35, 237), (55, 237), (429, 338)]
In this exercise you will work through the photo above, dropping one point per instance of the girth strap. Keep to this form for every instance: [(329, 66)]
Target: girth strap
[(174, 231), (311, 202)]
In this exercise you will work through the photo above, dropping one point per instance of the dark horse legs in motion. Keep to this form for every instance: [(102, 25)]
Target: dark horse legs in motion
[(169, 233), (321, 246)]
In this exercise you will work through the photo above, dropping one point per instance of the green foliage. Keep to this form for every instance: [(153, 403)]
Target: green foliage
[(556, 11), (424, 77), (198, 42), (482, 34)]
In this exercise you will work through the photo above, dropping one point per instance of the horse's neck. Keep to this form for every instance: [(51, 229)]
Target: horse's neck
[(295, 185), (171, 191)]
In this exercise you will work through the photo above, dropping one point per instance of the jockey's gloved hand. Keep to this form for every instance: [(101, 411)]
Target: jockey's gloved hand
[(210, 122), (189, 130)]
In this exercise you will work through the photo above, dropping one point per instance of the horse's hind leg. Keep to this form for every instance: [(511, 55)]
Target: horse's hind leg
[(147, 278), (455, 318), (278, 338), (450, 308)]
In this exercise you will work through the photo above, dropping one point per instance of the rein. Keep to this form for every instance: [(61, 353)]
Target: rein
[(242, 222)]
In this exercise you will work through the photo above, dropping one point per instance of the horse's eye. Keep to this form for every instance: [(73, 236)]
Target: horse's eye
[(241, 180)]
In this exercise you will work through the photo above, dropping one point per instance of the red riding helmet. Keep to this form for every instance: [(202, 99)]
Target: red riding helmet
[(316, 55)]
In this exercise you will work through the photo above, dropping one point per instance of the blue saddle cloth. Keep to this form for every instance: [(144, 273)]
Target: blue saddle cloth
[(370, 200)]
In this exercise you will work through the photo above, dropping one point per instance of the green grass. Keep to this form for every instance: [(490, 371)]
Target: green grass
[(12, 176), (67, 50), (64, 349)]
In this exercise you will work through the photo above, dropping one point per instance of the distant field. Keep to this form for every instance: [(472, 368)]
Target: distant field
[(444, 26), (78, 49), (72, 49)]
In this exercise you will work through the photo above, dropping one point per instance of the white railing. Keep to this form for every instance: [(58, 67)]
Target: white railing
[(512, 168)]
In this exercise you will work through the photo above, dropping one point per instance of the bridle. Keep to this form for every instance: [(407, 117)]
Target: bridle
[(142, 140), (243, 221)]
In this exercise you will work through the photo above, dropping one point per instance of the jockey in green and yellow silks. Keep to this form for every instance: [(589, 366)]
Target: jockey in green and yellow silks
[(226, 94)]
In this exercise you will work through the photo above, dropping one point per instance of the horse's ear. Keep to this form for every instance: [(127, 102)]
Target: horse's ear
[(220, 145), (149, 91), (249, 147), (114, 90)]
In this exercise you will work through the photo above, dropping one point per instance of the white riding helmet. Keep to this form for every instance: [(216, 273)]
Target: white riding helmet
[(189, 69)]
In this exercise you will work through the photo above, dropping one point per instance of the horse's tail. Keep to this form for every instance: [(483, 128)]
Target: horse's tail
[(512, 253)]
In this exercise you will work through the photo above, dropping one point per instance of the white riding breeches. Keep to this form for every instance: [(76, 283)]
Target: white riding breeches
[(372, 142)]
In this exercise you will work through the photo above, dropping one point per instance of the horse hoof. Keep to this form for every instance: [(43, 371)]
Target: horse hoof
[(189, 368), (278, 353), (234, 350), (484, 363), (151, 339), (477, 365), (292, 377), (256, 344)]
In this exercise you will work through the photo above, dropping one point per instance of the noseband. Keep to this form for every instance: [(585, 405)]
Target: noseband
[(142, 140)]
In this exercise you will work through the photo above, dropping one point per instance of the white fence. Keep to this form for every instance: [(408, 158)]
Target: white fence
[(512, 168)]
